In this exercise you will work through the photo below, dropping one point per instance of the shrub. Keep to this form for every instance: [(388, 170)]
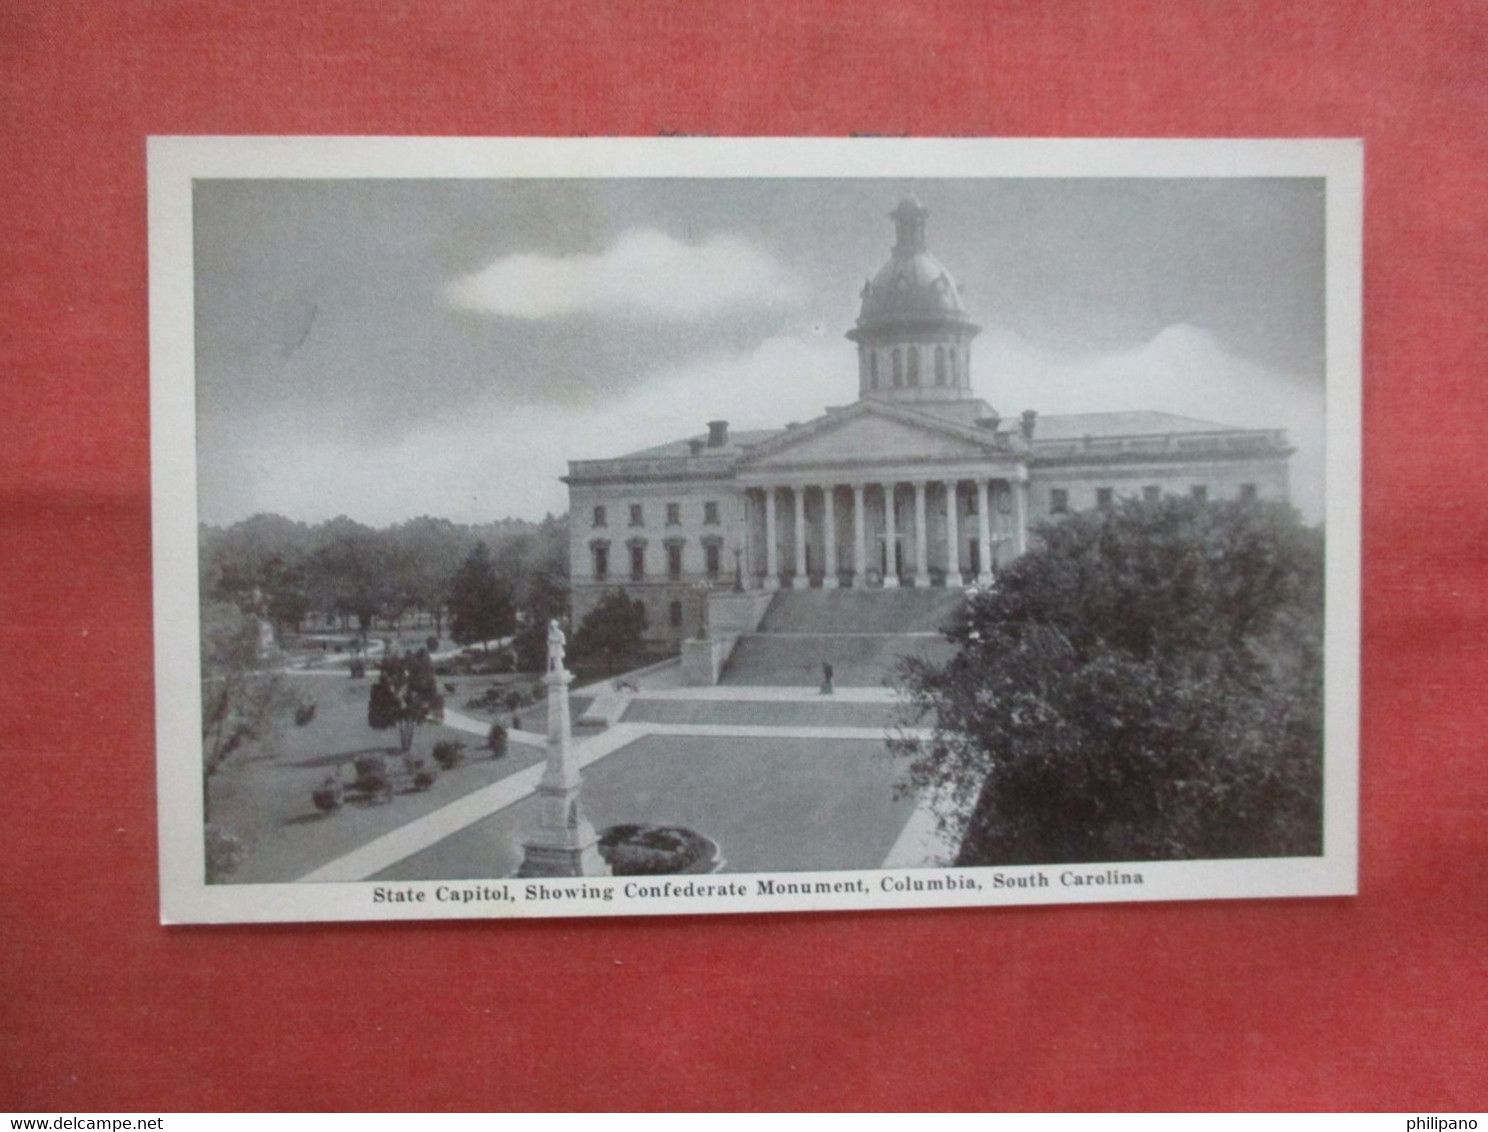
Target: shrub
[(304, 714), (329, 796), (423, 777), (449, 753), (432, 644), (358, 669), (496, 740), (373, 779), (515, 700), (225, 853)]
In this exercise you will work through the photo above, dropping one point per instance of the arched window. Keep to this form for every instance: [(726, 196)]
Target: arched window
[(914, 365), (873, 370), (940, 365), (898, 367)]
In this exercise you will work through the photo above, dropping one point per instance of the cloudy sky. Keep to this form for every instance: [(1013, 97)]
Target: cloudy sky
[(387, 349)]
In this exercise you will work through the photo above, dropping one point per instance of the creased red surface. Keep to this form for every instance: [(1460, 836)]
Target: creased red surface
[(1375, 1002)]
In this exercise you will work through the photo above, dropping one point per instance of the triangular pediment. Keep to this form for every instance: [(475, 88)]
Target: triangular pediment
[(869, 433)]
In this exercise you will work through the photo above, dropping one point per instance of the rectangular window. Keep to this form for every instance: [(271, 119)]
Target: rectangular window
[(1248, 493), (1058, 501), (674, 562), (601, 562), (711, 552), (637, 516), (637, 563), (1151, 493), (674, 514), (1200, 493), (1103, 498), (599, 517), (710, 513), (674, 614), (971, 503)]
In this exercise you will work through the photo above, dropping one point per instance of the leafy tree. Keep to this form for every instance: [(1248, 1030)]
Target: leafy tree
[(348, 571), (480, 602), (406, 694), (243, 701), (612, 629), (1145, 685)]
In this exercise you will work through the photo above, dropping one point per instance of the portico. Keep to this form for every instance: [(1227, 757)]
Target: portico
[(910, 526)]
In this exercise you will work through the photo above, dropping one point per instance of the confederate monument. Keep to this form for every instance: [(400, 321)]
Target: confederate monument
[(564, 843)]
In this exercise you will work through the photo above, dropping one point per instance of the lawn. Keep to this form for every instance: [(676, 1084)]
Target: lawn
[(773, 805), (263, 796)]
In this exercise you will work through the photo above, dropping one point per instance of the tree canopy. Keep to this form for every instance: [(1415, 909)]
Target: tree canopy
[(480, 604), (406, 694), (346, 572), (243, 700), (1146, 684), (611, 629)]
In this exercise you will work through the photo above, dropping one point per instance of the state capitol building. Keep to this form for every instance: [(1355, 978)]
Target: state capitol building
[(917, 483)]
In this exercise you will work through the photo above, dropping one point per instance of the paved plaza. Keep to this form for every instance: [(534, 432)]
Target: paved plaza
[(783, 779)]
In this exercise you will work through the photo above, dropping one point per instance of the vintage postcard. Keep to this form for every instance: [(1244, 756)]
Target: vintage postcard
[(660, 526)]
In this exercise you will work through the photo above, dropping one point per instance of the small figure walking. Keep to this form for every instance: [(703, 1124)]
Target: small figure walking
[(826, 687)]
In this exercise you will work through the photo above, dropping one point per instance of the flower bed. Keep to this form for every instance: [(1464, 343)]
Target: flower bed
[(654, 850)]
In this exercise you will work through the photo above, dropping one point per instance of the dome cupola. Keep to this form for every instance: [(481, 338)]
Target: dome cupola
[(913, 332)]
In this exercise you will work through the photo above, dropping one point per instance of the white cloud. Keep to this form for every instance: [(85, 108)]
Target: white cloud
[(645, 274)]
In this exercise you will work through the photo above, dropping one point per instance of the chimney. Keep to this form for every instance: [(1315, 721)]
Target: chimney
[(1030, 418), (717, 434), (989, 423), (695, 446)]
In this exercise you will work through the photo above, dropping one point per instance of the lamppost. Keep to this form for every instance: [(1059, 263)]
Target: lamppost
[(702, 589)]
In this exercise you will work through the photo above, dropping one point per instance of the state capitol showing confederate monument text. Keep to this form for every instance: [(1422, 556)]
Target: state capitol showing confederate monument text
[(558, 527)]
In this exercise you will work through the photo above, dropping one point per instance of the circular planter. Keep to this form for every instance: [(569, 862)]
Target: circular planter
[(657, 850)]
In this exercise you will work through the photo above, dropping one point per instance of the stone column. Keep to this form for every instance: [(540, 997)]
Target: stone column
[(984, 533), (772, 550), (1020, 517), (860, 538), (800, 581), (564, 843), (829, 535), (922, 568), (891, 572), (953, 537)]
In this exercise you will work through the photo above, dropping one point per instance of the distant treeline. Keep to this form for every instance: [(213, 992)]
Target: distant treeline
[(342, 574)]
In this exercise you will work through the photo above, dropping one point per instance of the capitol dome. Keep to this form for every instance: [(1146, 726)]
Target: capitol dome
[(913, 284), (913, 331)]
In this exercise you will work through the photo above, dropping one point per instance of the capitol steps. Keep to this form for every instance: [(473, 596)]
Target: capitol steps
[(862, 611), (861, 634)]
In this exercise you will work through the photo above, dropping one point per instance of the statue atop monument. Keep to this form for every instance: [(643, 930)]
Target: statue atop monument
[(556, 644)]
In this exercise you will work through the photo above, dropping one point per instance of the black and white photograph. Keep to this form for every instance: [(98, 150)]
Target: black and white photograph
[(674, 526)]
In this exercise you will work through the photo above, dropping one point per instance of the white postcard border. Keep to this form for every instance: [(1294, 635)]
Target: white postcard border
[(175, 162)]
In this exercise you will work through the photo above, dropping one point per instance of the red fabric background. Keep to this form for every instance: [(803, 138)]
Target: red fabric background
[(1374, 1002)]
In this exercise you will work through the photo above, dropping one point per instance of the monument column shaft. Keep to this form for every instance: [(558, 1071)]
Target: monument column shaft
[(953, 537), (563, 842), (1020, 517), (891, 538), (772, 551), (860, 538), (800, 581), (922, 568), (984, 533), (829, 534)]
